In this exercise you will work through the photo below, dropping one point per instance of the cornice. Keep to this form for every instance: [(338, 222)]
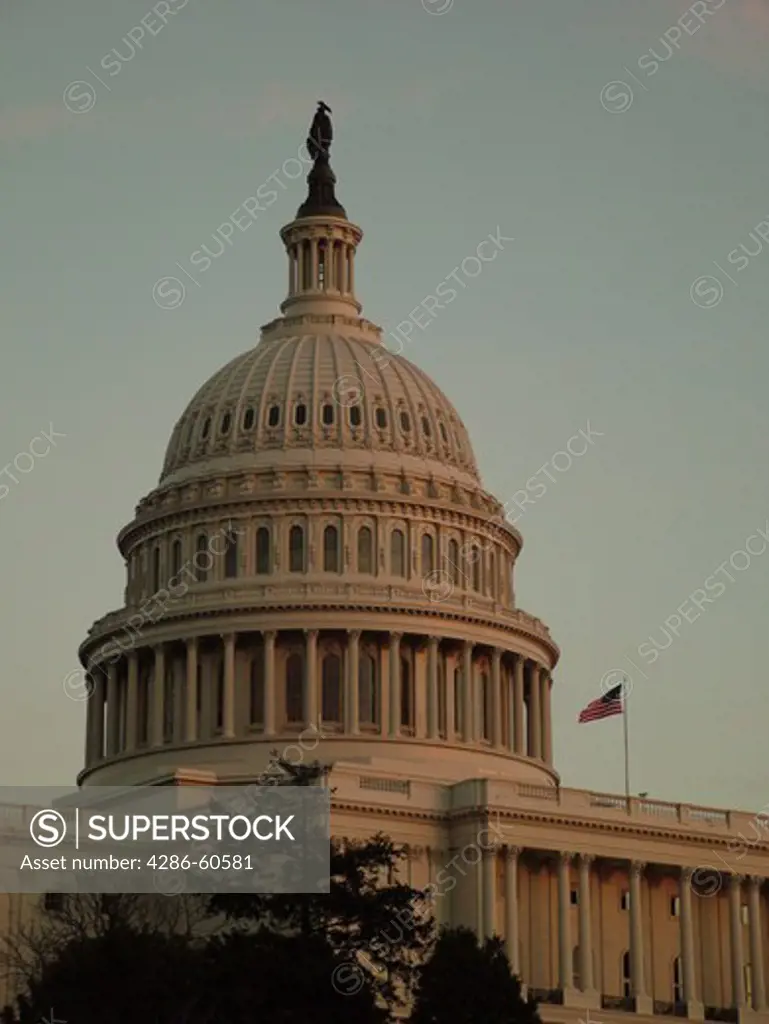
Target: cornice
[(350, 599), (240, 492), (641, 830)]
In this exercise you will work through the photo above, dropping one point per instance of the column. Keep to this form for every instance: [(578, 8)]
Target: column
[(511, 908), (132, 700), (756, 945), (489, 890), (496, 698), (269, 682), (94, 728), (351, 263), (586, 981), (547, 725), (735, 941), (313, 266), (113, 711), (291, 263), (228, 716), (299, 266), (565, 968), (330, 265), (432, 687), (191, 691), (311, 674), (468, 684), (535, 718), (395, 684), (157, 697), (637, 973), (353, 672), (450, 724), (518, 705), (687, 944)]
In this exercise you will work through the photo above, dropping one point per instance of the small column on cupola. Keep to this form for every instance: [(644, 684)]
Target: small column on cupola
[(321, 242)]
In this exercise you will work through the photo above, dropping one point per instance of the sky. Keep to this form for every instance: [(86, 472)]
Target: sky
[(620, 147)]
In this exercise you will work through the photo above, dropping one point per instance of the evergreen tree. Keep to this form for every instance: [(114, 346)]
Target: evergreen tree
[(464, 983)]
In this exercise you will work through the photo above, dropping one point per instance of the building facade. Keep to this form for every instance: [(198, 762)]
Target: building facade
[(321, 571)]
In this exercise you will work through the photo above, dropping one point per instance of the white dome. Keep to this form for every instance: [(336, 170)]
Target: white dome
[(309, 398)]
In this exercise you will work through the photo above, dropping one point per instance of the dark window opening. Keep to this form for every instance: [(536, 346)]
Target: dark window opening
[(355, 417), (381, 418), (273, 416), (248, 419), (405, 422), (263, 551), (226, 421), (327, 415), (300, 415)]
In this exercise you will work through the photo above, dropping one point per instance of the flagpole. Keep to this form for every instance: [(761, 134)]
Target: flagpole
[(625, 689)]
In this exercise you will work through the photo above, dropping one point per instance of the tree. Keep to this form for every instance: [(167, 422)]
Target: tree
[(27, 951), (252, 976), (123, 976), (368, 918), (464, 982)]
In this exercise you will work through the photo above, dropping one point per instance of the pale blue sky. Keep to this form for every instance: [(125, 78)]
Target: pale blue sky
[(447, 126)]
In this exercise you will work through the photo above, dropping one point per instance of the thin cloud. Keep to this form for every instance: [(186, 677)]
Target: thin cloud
[(20, 124)]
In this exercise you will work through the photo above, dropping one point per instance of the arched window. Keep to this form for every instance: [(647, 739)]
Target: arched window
[(407, 703), (203, 560), (397, 553), (206, 428), (428, 546), (230, 554), (355, 416), (273, 416), (365, 550), (626, 985), (486, 705), (453, 567), (219, 717), (256, 694), (368, 700), (176, 557), (405, 422), (331, 549), (678, 988), (300, 414), (263, 551), (380, 417), (476, 556), (248, 419), (294, 688), (327, 414), (296, 549), (331, 689), (155, 569), (224, 428)]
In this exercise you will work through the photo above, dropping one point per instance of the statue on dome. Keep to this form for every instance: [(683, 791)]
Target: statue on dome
[(321, 133)]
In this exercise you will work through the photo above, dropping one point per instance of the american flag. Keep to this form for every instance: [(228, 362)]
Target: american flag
[(603, 707)]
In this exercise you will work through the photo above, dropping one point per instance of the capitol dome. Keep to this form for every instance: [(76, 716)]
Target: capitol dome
[(317, 399), (319, 555)]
